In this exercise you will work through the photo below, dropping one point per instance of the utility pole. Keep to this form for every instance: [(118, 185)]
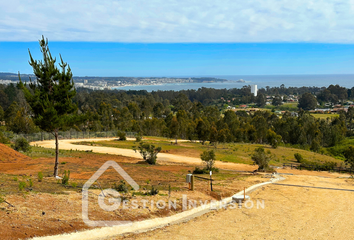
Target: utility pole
[(211, 181)]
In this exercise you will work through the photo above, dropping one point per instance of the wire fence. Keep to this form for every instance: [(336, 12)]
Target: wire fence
[(42, 136)]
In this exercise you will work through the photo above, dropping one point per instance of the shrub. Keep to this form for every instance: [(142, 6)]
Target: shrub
[(3, 138), (261, 159), (349, 156), (121, 136), (15, 178), (138, 138), (298, 157), (74, 185), (21, 185), (328, 166), (153, 191), (121, 187), (21, 144), (208, 157), (66, 177), (2, 199), (198, 170), (273, 139), (30, 183), (148, 152), (40, 177)]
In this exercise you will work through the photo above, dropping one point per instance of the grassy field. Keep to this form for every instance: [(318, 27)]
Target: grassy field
[(228, 152), (324, 115)]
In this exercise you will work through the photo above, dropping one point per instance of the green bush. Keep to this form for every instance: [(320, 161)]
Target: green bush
[(66, 177), (298, 157), (261, 158), (3, 138), (30, 183), (208, 157), (148, 152), (40, 177), (21, 144), (153, 191), (121, 136), (198, 170), (121, 187), (138, 138), (21, 185)]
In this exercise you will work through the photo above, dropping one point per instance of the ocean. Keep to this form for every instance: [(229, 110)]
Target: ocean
[(345, 80)]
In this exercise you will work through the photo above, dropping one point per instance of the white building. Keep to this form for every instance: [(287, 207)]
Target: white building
[(254, 90)]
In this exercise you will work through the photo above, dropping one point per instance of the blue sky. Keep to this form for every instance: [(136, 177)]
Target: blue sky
[(182, 37), (137, 59)]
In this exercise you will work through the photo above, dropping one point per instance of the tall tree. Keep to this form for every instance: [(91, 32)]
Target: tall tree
[(261, 100), (277, 101), (307, 101), (50, 96)]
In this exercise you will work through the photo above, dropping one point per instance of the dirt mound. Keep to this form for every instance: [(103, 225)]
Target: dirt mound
[(8, 155)]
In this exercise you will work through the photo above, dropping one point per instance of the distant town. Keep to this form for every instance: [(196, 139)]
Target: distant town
[(101, 83)]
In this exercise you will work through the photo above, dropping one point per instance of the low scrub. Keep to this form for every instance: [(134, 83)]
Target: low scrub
[(121, 136), (205, 170), (21, 144)]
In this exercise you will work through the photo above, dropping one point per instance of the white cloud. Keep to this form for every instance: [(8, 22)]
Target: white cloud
[(330, 21)]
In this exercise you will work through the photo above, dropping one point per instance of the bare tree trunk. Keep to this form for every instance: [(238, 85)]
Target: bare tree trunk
[(56, 153)]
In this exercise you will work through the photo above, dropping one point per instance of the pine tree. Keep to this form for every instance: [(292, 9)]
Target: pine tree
[(50, 95)]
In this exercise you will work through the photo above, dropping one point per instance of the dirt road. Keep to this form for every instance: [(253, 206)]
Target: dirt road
[(162, 157), (289, 213)]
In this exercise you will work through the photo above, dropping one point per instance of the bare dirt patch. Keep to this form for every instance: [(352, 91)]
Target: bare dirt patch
[(289, 213)]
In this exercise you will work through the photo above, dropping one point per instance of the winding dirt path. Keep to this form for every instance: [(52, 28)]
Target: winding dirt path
[(162, 158)]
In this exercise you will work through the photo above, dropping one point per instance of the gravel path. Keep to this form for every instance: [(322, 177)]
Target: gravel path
[(161, 158)]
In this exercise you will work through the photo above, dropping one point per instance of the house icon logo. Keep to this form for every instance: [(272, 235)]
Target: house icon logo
[(113, 194)]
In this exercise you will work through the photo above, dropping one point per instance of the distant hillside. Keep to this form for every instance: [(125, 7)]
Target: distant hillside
[(113, 80), (14, 76)]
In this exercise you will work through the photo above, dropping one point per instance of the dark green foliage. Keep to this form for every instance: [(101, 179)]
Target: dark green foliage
[(261, 100), (261, 158), (273, 139), (208, 157), (40, 176), (138, 138), (298, 157), (66, 178), (148, 152), (317, 166), (2, 114), (121, 136), (307, 102), (349, 156), (198, 170), (153, 191), (277, 101), (21, 144), (50, 97), (3, 138), (121, 187)]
